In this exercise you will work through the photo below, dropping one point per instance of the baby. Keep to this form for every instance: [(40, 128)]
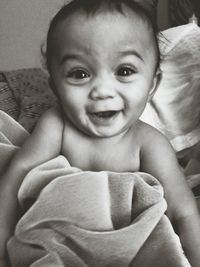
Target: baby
[(103, 61)]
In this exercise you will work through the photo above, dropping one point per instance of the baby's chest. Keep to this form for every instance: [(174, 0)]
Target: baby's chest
[(95, 157)]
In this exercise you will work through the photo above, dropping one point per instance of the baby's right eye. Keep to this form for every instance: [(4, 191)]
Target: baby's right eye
[(78, 76)]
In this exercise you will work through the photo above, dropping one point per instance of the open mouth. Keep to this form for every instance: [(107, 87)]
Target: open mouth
[(104, 115)]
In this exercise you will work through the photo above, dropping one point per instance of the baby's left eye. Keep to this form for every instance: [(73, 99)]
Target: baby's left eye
[(125, 71)]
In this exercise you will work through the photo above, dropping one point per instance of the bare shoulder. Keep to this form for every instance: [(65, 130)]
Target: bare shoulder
[(51, 116), (49, 129), (157, 154), (44, 143), (151, 137)]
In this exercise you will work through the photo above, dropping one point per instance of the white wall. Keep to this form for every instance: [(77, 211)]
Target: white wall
[(23, 25)]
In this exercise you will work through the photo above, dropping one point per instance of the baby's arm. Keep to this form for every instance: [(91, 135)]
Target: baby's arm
[(42, 145), (158, 159)]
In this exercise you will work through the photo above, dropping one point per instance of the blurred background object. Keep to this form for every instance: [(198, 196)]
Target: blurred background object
[(180, 11)]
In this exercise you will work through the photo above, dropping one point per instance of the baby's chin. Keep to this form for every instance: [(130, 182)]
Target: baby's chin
[(103, 132)]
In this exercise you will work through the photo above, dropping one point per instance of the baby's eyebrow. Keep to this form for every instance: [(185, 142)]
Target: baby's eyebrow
[(130, 52), (67, 57)]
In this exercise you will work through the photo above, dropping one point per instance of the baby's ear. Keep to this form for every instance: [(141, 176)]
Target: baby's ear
[(156, 81)]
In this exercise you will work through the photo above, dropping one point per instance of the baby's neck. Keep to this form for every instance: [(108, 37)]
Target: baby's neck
[(115, 153)]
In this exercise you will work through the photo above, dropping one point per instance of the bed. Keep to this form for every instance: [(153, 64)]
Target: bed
[(98, 232)]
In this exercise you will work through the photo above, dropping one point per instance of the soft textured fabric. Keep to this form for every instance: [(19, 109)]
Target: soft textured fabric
[(175, 107), (8, 101), (12, 136), (84, 218), (77, 218), (25, 95)]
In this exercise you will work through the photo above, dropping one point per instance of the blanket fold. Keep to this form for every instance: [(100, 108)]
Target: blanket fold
[(93, 219), (84, 218)]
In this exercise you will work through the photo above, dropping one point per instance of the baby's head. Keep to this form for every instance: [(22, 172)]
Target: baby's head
[(144, 9), (103, 60)]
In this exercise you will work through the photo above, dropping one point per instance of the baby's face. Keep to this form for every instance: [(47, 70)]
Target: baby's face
[(103, 70)]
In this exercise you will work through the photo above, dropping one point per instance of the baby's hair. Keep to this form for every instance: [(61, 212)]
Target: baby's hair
[(144, 8)]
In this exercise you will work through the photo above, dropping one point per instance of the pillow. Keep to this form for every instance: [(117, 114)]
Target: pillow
[(8, 101), (25, 95), (175, 107)]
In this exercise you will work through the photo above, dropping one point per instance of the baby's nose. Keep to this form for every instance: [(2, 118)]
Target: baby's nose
[(102, 90)]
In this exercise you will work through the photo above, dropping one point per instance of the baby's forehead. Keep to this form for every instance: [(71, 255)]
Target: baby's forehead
[(135, 20), (103, 35)]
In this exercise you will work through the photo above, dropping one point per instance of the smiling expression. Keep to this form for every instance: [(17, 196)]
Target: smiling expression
[(103, 70)]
